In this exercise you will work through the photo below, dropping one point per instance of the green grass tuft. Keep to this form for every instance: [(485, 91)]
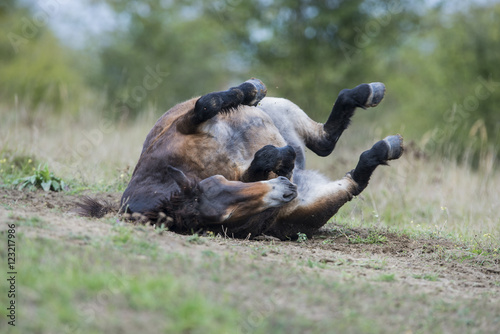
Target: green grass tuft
[(386, 278), (15, 165), (373, 238), (43, 178), (427, 277), (301, 237), (195, 239)]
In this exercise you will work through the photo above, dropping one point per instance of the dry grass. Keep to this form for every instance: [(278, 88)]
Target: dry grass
[(88, 147)]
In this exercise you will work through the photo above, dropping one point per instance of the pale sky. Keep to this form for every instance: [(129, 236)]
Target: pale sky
[(75, 21)]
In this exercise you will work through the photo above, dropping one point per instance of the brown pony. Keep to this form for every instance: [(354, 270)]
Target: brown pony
[(234, 161)]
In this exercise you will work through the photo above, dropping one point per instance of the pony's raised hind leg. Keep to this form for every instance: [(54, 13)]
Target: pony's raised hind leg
[(270, 162), (362, 96), (300, 130)]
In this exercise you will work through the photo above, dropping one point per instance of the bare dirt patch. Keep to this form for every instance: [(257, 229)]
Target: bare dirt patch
[(430, 265)]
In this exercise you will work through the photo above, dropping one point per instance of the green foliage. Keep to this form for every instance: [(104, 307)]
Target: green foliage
[(309, 50), (15, 165), (440, 66), (168, 53), (301, 237), (33, 221), (42, 179), (290, 45), (207, 290), (35, 69), (125, 239), (195, 239), (123, 235), (452, 101), (93, 288), (386, 278), (316, 264), (427, 277), (373, 238), (321, 47), (486, 245)]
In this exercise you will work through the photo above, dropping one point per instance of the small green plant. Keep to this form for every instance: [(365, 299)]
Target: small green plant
[(42, 179), (485, 245), (318, 264), (375, 264), (14, 165), (260, 251), (123, 235), (161, 229), (209, 254), (427, 277), (373, 238), (195, 239), (33, 221), (386, 278), (301, 237)]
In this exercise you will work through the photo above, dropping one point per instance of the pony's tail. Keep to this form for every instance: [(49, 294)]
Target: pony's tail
[(90, 207)]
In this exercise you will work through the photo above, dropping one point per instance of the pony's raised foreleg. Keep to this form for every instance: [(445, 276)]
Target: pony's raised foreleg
[(362, 96)]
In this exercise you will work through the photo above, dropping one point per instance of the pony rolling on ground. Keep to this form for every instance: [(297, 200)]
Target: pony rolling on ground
[(234, 162)]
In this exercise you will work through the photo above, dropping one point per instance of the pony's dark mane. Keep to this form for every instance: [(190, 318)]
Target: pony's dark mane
[(90, 207), (178, 213), (247, 227)]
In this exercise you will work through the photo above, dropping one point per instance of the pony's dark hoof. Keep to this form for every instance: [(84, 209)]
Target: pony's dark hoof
[(376, 95), (395, 144), (260, 91)]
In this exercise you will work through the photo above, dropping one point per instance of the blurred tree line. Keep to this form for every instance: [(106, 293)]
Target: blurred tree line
[(441, 67), (35, 68)]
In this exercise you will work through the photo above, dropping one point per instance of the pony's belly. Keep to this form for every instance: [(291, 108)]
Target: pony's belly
[(237, 137)]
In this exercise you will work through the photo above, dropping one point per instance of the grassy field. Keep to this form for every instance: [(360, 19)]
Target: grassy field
[(417, 252)]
